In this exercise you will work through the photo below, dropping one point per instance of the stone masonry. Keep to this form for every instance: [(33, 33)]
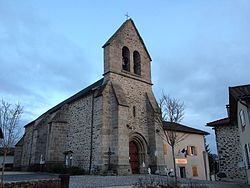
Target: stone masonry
[(107, 116), (229, 152)]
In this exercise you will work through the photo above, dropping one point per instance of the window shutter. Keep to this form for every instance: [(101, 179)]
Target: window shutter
[(195, 151), (195, 171), (189, 150)]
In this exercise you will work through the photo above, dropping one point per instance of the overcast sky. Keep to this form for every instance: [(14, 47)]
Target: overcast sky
[(49, 50)]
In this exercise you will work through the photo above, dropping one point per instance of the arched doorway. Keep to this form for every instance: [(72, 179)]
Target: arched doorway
[(134, 157), (138, 153)]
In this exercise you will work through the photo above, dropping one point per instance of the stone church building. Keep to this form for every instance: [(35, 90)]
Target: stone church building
[(110, 125)]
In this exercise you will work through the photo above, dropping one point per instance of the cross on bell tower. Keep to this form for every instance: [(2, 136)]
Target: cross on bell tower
[(127, 16)]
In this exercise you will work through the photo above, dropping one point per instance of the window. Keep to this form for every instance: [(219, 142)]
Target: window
[(137, 63), (134, 112), (242, 119), (194, 171), (165, 147), (192, 150), (125, 59)]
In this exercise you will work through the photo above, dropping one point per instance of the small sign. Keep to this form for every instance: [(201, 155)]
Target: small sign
[(181, 161)]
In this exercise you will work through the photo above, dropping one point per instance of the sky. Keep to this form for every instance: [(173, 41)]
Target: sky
[(49, 50)]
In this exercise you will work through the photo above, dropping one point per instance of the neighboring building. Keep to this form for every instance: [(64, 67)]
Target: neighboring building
[(190, 153), (239, 104), (229, 151), (108, 126), (232, 136), (9, 160)]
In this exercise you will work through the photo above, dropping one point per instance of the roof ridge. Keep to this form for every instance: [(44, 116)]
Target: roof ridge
[(244, 85), (222, 121), (188, 129), (70, 99)]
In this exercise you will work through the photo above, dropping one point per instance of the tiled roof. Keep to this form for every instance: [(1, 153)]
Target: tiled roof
[(182, 128), (71, 99), (240, 92), (219, 122), (237, 93)]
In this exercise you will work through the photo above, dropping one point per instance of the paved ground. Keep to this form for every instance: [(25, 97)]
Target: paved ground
[(113, 181), (129, 181)]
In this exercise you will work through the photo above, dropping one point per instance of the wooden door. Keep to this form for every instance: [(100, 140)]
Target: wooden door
[(134, 158)]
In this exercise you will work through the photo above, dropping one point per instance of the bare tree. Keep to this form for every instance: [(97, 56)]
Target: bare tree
[(9, 117), (172, 111)]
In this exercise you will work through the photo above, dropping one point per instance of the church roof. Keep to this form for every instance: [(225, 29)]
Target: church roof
[(73, 98), (171, 126), (120, 29), (219, 122)]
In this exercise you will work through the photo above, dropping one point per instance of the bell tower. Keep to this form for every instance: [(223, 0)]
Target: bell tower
[(129, 103), (125, 53)]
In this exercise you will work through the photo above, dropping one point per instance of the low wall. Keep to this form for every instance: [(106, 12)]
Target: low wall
[(52, 183)]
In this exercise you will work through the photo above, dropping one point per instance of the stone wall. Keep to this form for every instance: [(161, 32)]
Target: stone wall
[(56, 142), (79, 136), (229, 152), (27, 143), (97, 141), (41, 143), (109, 127), (139, 115), (54, 183), (18, 154)]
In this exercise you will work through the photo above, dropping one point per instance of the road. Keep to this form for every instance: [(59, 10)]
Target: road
[(88, 181)]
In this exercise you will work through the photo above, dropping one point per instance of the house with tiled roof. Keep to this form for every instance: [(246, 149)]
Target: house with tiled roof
[(190, 151), (232, 136)]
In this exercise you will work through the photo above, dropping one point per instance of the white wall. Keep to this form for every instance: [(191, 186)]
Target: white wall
[(244, 133), (192, 160)]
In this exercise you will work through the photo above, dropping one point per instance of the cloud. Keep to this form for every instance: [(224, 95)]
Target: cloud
[(39, 66)]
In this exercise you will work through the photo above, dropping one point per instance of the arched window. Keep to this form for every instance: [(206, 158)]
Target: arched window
[(125, 59), (137, 63)]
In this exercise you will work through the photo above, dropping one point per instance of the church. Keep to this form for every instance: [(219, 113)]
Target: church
[(112, 126), (108, 126)]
